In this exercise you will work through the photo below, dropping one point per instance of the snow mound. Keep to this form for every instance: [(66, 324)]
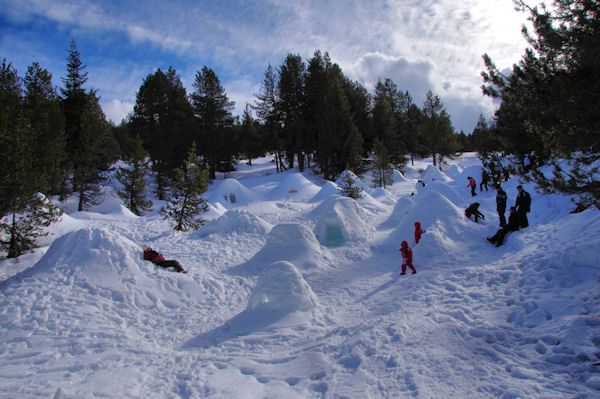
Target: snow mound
[(295, 187), (433, 174), (214, 211), (402, 208), (398, 177), (454, 171), (444, 189), (98, 262), (234, 221), (474, 171), (340, 220), (383, 196), (292, 242), (232, 193), (281, 288), (448, 233), (327, 190)]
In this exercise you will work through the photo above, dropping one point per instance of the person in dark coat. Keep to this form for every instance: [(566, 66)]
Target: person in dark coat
[(418, 232), (159, 260), (484, 180), (501, 204), (473, 185), (523, 205), (513, 225), (473, 210), (407, 257)]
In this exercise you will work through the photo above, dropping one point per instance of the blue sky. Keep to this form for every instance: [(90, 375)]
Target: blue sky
[(421, 45)]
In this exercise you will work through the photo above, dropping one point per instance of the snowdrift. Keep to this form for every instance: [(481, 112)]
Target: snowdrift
[(281, 288), (327, 190), (433, 174), (231, 192), (447, 191), (100, 263), (281, 298), (294, 187), (449, 234), (234, 221), (292, 242), (340, 220)]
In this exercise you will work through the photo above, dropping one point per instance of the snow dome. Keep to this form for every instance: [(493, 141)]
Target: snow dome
[(231, 193), (433, 174), (294, 187), (340, 219), (234, 221), (281, 288)]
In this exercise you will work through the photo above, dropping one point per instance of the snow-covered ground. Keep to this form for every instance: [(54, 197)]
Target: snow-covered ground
[(298, 295)]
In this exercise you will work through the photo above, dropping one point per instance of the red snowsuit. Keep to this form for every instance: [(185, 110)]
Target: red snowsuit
[(159, 260), (473, 185), (418, 232), (407, 258)]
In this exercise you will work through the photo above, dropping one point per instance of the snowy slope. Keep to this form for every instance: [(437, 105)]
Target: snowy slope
[(297, 295)]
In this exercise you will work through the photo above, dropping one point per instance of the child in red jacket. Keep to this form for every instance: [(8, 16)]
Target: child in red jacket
[(418, 232), (158, 259), (407, 258)]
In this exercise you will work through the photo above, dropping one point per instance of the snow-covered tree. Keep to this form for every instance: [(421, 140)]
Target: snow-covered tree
[(186, 202)]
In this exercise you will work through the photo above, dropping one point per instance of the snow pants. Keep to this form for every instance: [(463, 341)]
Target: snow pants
[(171, 263), (410, 265)]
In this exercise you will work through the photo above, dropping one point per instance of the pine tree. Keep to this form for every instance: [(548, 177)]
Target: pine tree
[(347, 186), (550, 101), (43, 110), (214, 119), (162, 116), (25, 212), (437, 130), (266, 112), (380, 166), (250, 136), (133, 179), (186, 202), (291, 109)]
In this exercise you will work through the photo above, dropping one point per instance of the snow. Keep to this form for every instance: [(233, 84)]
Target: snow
[(298, 295)]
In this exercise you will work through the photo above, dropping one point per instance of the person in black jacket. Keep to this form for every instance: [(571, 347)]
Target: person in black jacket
[(513, 225), (501, 204), (473, 210), (523, 205)]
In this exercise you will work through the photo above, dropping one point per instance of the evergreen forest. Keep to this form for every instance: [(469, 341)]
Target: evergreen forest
[(56, 142)]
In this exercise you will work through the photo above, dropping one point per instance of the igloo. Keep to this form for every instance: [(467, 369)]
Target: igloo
[(340, 219)]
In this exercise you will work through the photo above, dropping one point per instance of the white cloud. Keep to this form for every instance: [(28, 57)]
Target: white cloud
[(116, 110)]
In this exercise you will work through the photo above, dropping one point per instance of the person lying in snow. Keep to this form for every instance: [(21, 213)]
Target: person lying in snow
[(513, 225), (473, 209), (407, 258), (159, 260)]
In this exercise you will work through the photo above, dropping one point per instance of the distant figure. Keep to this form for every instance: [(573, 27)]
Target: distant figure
[(523, 205), (485, 178), (421, 183), (418, 232), (513, 225), (473, 210), (407, 258), (158, 259), (506, 174), (501, 204), (473, 185)]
